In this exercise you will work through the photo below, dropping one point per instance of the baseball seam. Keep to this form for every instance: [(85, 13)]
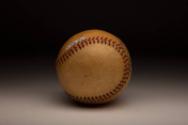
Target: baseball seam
[(106, 41)]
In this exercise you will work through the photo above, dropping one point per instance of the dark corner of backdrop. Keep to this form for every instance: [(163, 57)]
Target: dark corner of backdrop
[(39, 28)]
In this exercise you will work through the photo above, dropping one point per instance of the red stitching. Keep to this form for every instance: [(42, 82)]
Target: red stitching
[(111, 93), (79, 46), (93, 39)]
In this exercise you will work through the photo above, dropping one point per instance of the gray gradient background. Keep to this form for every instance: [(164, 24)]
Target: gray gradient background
[(157, 94), (32, 32)]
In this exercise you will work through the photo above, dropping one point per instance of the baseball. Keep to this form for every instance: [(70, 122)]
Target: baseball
[(93, 67)]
